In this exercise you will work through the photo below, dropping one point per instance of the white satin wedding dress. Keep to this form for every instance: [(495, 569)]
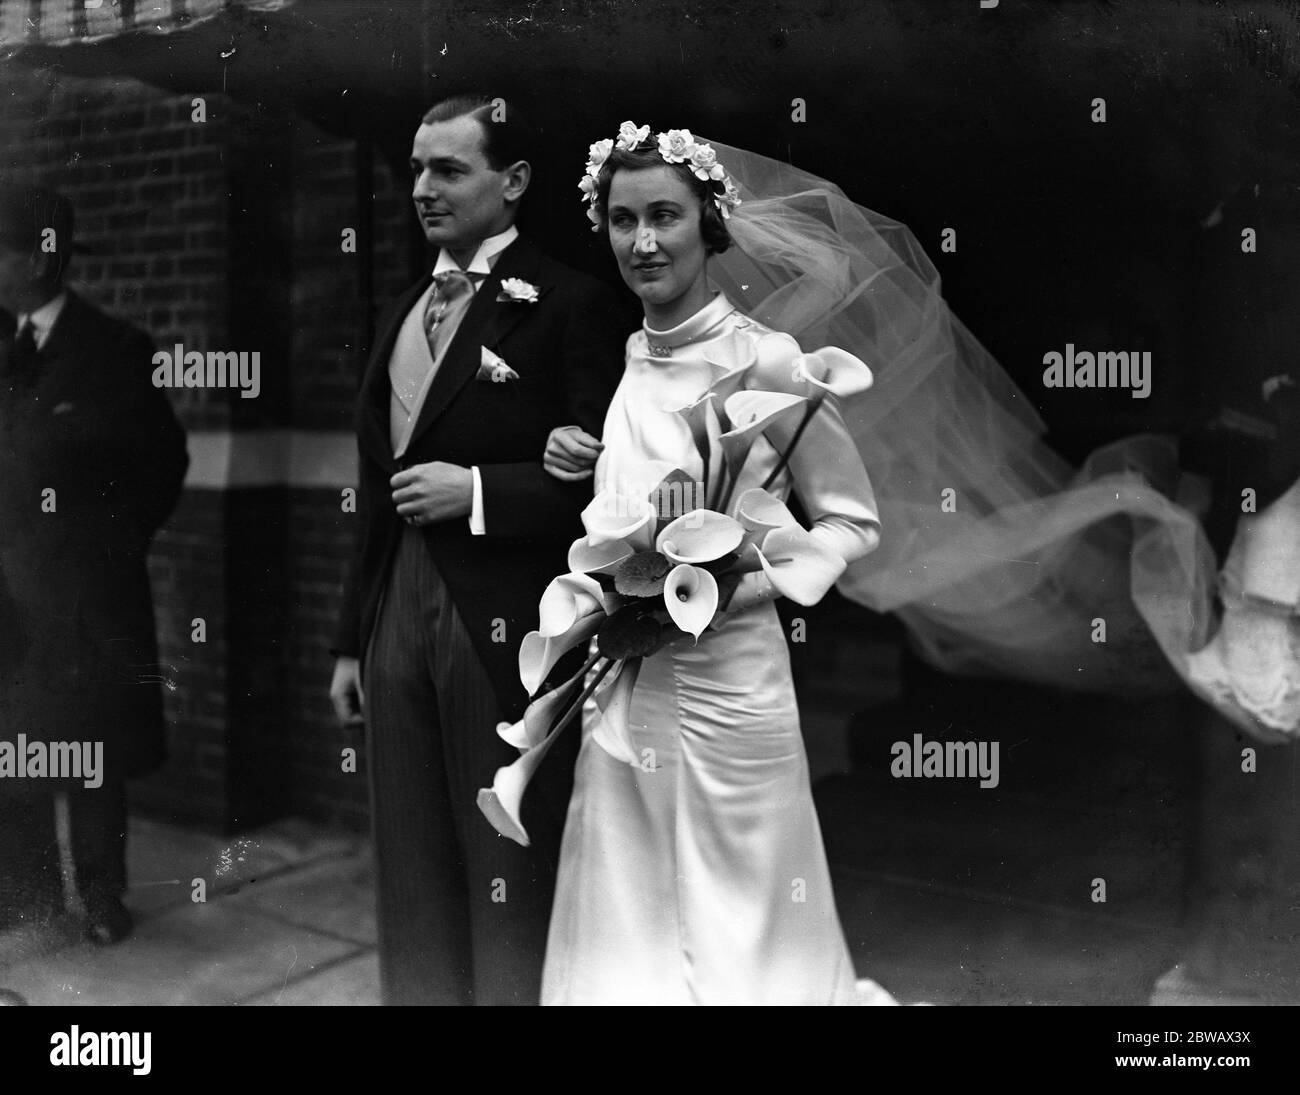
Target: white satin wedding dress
[(699, 876)]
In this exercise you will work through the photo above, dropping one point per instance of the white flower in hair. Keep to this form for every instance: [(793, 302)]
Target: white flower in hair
[(597, 154), (630, 135), (677, 145), (704, 164), (729, 198)]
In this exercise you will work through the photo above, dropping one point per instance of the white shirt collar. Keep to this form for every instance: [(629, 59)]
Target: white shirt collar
[(44, 317), (483, 258)]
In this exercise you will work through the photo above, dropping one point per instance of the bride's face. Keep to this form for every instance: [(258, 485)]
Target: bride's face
[(654, 229)]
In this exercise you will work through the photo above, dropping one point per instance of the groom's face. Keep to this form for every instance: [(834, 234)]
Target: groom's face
[(459, 198)]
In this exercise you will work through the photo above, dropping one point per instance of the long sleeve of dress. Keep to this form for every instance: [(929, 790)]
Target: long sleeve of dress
[(825, 471), (832, 483)]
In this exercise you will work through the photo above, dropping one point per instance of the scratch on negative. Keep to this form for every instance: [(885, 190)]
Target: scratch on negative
[(1002, 559), (287, 972)]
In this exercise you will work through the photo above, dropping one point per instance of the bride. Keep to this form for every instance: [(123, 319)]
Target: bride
[(692, 867), (699, 877)]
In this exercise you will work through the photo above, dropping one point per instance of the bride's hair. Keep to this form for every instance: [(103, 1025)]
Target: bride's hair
[(712, 226)]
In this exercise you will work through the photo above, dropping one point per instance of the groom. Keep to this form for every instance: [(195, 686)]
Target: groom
[(461, 530)]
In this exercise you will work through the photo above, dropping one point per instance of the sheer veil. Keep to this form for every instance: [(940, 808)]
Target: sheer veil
[(999, 556)]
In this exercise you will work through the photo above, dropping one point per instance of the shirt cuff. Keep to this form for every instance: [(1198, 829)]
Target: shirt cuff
[(477, 525)]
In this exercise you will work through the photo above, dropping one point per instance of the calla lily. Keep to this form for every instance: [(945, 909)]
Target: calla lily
[(691, 597), (700, 536), (755, 413), (529, 731), (603, 558), (567, 599), (706, 420), (538, 653), (702, 417), (799, 565), (611, 731), (514, 733), (731, 358), (833, 371), (760, 511), (614, 516), (727, 385), (501, 803), (731, 354)]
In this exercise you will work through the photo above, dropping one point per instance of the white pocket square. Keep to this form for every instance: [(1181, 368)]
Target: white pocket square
[(494, 368)]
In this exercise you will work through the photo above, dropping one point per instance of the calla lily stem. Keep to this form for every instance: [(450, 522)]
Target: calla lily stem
[(785, 456), (585, 670), (576, 706)]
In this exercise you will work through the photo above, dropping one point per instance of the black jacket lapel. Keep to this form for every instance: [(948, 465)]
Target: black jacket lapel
[(485, 324)]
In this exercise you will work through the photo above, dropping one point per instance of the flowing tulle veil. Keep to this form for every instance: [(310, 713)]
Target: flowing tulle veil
[(999, 556)]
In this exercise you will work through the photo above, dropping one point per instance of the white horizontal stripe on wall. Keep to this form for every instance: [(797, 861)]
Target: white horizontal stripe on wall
[(231, 459)]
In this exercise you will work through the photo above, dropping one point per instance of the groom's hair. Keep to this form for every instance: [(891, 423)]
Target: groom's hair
[(507, 135)]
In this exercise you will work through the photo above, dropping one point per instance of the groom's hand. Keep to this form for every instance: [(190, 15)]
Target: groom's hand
[(433, 492), (345, 692)]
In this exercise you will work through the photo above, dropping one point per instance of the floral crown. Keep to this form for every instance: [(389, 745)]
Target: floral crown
[(675, 146)]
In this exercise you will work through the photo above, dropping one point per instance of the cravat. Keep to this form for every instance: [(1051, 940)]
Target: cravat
[(447, 303), (452, 293)]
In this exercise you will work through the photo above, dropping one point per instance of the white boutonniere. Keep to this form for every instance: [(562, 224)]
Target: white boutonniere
[(518, 291), (494, 368)]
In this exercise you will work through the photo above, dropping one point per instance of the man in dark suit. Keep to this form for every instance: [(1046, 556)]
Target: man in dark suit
[(461, 530), (91, 463)]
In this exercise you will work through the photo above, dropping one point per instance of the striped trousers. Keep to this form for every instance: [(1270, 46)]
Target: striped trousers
[(462, 912)]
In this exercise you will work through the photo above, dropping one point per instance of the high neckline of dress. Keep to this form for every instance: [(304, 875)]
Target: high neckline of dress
[(693, 328)]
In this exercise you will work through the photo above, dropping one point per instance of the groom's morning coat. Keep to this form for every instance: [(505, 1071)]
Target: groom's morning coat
[(567, 349)]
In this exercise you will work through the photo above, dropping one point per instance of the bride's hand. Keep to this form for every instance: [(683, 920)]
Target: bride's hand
[(571, 453)]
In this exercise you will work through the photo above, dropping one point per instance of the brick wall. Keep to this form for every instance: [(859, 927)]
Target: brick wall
[(151, 199), (329, 308), (330, 314), (225, 234), (319, 533)]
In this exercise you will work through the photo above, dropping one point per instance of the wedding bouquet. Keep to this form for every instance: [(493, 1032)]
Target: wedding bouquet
[(658, 565)]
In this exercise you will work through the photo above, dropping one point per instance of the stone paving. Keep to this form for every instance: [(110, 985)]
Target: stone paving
[(288, 919)]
